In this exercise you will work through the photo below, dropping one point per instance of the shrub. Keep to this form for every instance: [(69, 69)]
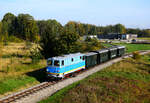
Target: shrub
[(136, 55), (35, 55)]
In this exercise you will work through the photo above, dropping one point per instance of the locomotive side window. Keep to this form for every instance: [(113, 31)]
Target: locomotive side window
[(80, 57), (62, 62), (72, 59), (83, 58), (56, 63), (49, 62)]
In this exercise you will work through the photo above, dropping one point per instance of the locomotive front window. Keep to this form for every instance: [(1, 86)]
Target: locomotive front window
[(56, 63), (49, 62)]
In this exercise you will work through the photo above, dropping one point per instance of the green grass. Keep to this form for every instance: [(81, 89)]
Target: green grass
[(135, 47), (131, 47), (24, 76), (144, 38), (13, 84), (124, 82), (106, 44)]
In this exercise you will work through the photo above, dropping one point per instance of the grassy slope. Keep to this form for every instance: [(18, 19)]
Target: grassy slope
[(16, 69), (124, 82)]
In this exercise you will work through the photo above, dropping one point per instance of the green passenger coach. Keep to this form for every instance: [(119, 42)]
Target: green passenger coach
[(90, 59), (112, 52), (121, 50), (102, 55)]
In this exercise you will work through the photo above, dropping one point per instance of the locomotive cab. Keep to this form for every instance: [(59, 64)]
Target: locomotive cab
[(53, 67)]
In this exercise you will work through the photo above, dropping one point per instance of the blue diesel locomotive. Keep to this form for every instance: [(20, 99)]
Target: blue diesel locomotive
[(61, 66)]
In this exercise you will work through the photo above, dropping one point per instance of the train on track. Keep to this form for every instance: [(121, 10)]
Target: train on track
[(62, 66)]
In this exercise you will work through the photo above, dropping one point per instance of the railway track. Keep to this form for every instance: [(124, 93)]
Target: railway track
[(34, 89), (12, 98)]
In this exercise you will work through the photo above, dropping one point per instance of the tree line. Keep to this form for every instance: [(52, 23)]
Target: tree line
[(54, 38), (24, 26)]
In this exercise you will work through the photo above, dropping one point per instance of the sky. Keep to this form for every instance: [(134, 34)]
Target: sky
[(131, 13)]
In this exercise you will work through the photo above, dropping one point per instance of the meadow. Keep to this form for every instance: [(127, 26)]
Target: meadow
[(130, 47), (124, 82), (134, 47), (16, 68), (144, 38)]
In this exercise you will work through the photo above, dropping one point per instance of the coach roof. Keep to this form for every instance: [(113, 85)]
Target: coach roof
[(90, 53)]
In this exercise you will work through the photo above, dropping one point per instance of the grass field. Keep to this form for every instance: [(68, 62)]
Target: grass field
[(131, 47), (135, 47), (124, 82), (142, 38), (16, 68)]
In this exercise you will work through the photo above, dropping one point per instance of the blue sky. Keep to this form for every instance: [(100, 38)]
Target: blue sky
[(131, 13)]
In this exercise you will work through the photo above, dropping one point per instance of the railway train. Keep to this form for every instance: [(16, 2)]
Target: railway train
[(62, 66)]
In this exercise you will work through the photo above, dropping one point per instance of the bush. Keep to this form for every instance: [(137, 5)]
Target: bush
[(136, 55), (14, 39), (35, 55)]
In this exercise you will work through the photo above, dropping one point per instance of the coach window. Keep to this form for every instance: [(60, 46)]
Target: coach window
[(56, 63), (72, 59), (80, 57), (62, 63)]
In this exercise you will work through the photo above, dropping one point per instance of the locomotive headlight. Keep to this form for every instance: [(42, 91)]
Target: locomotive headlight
[(47, 70)]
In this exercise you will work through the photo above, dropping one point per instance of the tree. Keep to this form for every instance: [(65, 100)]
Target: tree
[(0, 31), (27, 28), (50, 38), (71, 26), (68, 42), (7, 21), (119, 28)]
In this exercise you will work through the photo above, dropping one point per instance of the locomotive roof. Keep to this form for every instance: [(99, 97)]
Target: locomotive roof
[(90, 53), (66, 56)]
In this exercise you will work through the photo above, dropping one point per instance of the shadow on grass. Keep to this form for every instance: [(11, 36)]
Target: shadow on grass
[(39, 74)]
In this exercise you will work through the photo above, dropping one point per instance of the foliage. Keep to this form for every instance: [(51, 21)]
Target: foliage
[(1, 50), (7, 22), (27, 27), (50, 38), (0, 32), (136, 55), (35, 55), (92, 44), (68, 41), (14, 39)]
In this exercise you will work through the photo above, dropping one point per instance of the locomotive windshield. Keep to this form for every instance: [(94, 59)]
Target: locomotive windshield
[(49, 62), (56, 63)]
